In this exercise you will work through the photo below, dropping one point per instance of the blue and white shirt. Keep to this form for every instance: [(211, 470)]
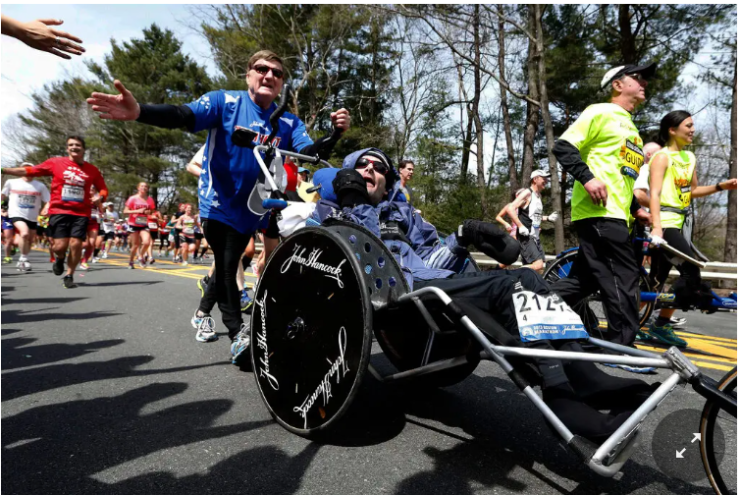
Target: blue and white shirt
[(229, 172)]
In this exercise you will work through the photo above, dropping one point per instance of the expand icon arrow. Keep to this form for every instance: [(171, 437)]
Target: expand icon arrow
[(679, 455)]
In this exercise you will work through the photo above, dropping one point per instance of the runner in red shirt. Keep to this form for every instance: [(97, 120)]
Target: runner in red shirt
[(70, 203), (138, 207), (153, 224), (93, 227)]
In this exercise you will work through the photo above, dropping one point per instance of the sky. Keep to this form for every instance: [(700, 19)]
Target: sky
[(25, 70)]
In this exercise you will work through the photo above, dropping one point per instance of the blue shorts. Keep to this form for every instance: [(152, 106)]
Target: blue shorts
[(7, 224)]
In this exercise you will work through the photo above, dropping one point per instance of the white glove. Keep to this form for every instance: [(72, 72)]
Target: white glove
[(523, 231), (657, 241), (553, 216)]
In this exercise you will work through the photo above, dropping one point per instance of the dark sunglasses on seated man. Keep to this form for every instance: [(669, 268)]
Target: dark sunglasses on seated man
[(378, 165)]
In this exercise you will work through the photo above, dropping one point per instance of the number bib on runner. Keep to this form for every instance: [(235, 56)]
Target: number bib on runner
[(153, 226), (632, 159), (73, 193), (546, 317), (26, 201)]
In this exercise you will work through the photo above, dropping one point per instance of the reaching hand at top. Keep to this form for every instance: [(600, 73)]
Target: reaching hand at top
[(122, 106), (37, 34)]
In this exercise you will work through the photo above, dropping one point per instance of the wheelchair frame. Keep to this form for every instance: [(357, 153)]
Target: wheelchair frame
[(605, 459)]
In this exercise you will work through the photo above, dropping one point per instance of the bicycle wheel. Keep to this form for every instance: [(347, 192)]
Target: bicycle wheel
[(715, 421), (592, 310)]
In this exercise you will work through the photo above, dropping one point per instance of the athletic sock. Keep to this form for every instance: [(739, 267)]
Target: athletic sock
[(203, 251), (96, 252)]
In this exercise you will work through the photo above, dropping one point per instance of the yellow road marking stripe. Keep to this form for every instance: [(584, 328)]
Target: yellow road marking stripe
[(713, 366), (689, 354), (706, 337)]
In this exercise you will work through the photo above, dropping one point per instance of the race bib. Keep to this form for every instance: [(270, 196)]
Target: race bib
[(26, 201), (685, 196), (632, 159), (153, 226), (188, 230), (140, 221), (73, 193), (546, 317)]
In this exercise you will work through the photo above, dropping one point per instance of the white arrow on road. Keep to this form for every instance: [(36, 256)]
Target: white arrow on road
[(697, 436), (679, 455)]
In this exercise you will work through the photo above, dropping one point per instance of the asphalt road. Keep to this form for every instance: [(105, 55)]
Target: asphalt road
[(105, 390)]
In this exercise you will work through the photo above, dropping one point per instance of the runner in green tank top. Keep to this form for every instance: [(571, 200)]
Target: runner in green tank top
[(602, 150), (673, 183)]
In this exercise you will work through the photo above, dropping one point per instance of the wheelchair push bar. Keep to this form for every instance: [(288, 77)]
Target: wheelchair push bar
[(678, 254)]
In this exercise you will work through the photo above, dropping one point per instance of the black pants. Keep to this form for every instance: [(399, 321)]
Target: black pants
[(662, 261), (605, 262), (227, 245), (177, 239), (164, 239)]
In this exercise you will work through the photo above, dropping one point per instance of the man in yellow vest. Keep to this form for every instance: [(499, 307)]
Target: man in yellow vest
[(602, 150)]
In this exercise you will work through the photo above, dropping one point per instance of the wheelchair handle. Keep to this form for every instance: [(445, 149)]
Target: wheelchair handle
[(675, 252), (274, 204)]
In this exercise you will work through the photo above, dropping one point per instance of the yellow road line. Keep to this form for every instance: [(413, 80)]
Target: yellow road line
[(690, 354), (713, 366), (706, 337)]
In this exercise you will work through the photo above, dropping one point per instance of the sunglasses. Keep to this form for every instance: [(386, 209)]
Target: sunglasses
[(362, 164), (637, 76), (263, 69)]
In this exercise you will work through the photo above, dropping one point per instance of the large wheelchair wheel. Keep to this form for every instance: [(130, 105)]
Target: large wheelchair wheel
[(592, 310), (718, 442), (311, 330)]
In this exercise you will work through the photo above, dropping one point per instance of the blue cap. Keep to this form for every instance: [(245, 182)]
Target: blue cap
[(301, 170), (322, 179)]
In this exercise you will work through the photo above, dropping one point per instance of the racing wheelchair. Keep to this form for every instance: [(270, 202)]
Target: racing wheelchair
[(326, 291)]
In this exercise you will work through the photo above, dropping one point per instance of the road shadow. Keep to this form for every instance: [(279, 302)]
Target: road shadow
[(18, 353), (48, 300), (30, 381), (117, 284), (58, 448), (480, 408), (11, 316)]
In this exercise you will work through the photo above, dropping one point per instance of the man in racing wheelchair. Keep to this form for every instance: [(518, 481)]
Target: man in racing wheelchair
[(363, 192)]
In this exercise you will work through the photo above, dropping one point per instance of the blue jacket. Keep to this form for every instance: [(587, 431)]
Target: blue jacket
[(414, 242)]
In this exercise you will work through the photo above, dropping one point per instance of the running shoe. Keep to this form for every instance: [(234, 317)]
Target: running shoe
[(196, 320), (666, 335), (643, 336), (68, 282), (58, 266), (142, 263), (130, 265), (203, 285), (151, 261), (240, 344), (96, 259), (105, 255), (7, 259), (677, 322), (184, 263), (246, 301), (206, 330), (24, 266), (51, 259), (84, 265)]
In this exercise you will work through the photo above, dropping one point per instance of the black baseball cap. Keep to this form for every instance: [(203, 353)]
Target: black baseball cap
[(647, 71)]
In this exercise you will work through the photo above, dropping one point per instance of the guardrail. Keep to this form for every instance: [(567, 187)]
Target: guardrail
[(714, 270)]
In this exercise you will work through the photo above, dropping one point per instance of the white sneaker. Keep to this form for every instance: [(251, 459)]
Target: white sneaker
[(105, 255), (95, 260), (206, 330), (184, 263)]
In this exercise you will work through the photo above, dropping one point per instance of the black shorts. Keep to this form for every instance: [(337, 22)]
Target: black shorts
[(40, 231), (187, 240), (531, 249), (109, 236), (198, 236), (31, 225), (63, 226), (133, 229), (154, 234)]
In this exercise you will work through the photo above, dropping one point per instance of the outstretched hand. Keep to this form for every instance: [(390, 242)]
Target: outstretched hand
[(37, 34), (122, 106)]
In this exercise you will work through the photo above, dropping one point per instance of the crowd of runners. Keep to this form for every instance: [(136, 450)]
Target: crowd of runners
[(602, 150)]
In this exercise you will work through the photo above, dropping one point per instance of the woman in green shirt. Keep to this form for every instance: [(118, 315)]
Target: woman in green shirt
[(672, 185)]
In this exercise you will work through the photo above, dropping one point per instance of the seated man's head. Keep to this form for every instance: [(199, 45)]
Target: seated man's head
[(377, 171)]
